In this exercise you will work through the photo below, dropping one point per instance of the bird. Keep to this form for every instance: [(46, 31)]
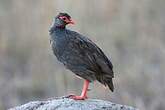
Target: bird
[(80, 55)]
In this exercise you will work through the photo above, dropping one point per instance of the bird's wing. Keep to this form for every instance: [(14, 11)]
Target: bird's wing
[(93, 53)]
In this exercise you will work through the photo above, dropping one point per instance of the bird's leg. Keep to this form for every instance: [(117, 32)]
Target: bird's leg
[(84, 92), (85, 89)]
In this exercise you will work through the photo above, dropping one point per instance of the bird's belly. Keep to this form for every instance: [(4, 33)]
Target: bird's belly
[(58, 50), (73, 60), (78, 64)]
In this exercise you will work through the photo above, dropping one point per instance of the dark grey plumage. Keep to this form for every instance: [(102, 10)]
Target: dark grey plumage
[(79, 54)]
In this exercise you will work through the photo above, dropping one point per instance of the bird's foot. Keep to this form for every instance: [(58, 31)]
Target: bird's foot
[(77, 97)]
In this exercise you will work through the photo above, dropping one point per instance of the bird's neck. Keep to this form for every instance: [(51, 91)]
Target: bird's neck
[(60, 27), (57, 28)]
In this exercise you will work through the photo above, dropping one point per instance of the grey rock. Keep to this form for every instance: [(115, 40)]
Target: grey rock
[(70, 104)]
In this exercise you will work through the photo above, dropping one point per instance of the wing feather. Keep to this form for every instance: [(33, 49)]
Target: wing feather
[(95, 56)]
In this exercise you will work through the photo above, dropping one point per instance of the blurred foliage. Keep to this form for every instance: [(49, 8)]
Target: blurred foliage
[(130, 32)]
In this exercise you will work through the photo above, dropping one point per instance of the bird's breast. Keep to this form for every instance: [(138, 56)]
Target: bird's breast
[(58, 46)]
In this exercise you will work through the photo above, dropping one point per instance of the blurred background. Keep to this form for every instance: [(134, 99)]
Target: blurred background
[(130, 32)]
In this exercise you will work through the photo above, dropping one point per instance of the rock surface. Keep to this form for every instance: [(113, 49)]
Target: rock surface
[(70, 104)]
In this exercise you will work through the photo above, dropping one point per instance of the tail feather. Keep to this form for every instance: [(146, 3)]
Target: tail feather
[(106, 79), (110, 84)]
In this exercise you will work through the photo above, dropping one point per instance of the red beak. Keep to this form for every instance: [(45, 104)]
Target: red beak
[(68, 21), (71, 22)]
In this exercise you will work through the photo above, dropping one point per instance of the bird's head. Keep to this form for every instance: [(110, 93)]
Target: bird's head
[(62, 19)]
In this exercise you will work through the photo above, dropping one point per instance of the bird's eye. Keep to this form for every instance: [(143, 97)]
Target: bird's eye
[(64, 18)]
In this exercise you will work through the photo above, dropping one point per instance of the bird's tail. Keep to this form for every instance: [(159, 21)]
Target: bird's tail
[(106, 80), (109, 82)]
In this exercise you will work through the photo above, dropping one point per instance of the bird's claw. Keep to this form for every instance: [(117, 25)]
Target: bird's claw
[(76, 97)]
